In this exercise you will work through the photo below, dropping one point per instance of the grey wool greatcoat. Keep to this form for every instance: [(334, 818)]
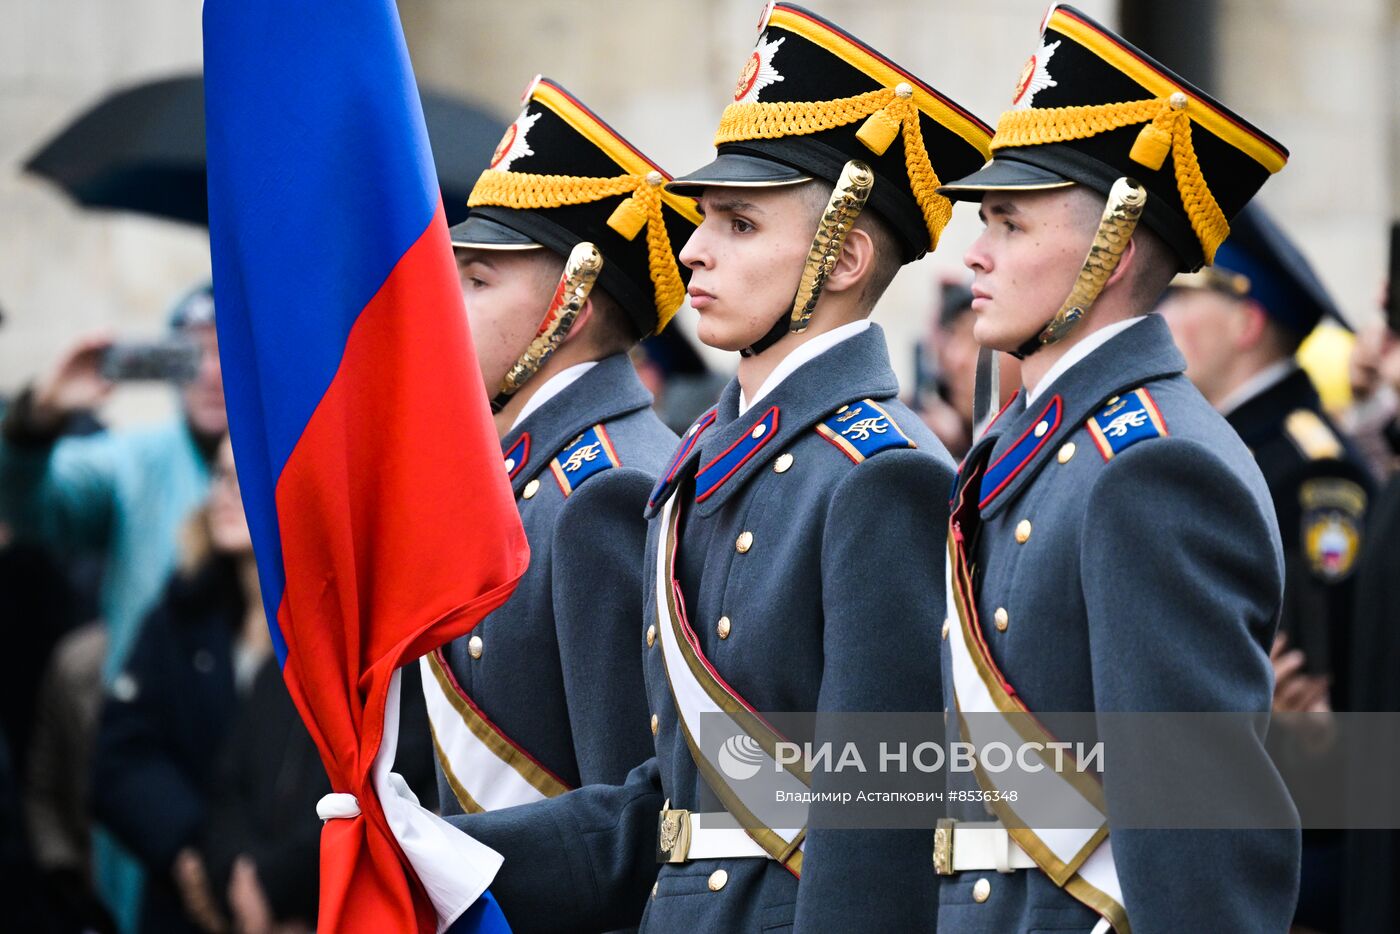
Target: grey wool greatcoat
[(555, 666), (812, 574), (1126, 559)]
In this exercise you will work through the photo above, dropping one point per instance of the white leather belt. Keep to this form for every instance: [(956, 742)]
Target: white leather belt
[(684, 836), (967, 846)]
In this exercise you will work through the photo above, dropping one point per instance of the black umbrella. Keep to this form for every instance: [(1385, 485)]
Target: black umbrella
[(142, 149)]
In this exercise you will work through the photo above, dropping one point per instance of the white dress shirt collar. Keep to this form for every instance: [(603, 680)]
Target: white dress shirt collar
[(553, 387), (1077, 353), (804, 352)]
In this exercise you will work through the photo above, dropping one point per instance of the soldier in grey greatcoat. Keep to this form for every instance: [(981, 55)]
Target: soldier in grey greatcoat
[(546, 693), (1113, 546), (794, 554)]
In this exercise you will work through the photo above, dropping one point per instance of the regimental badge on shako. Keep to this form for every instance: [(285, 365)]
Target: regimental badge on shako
[(1332, 511), (758, 71), (1035, 76), (513, 145)]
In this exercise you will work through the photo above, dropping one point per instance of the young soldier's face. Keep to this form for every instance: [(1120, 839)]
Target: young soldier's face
[(746, 259), (507, 293), (1025, 262)]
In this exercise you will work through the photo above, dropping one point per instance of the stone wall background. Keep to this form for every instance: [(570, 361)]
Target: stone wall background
[(1320, 77)]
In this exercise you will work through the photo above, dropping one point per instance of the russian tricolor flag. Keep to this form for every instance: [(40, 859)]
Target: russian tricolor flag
[(370, 468)]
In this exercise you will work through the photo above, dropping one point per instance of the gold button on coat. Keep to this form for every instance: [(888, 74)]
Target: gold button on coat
[(651, 635), (1023, 531), (782, 464), (1066, 452), (744, 542), (722, 627), (655, 724), (531, 489), (474, 646), (510, 464), (1041, 428), (1002, 618), (717, 880), (981, 891)]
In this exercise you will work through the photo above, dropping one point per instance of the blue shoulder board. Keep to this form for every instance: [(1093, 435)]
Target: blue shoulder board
[(590, 453), (863, 429), (1124, 421)]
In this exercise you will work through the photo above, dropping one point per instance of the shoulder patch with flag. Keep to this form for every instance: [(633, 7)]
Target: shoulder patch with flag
[(1124, 421), (1334, 512), (863, 429), (589, 454)]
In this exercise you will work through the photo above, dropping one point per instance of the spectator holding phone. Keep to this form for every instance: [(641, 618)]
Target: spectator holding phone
[(122, 495)]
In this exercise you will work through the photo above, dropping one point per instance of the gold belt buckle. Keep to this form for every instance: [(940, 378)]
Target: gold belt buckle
[(673, 835), (943, 846)]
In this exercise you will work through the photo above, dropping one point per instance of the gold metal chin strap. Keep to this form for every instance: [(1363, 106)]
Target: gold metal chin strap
[(848, 198), (1121, 213), (576, 283)]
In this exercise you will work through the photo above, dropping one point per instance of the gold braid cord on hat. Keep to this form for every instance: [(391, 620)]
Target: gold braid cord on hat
[(887, 112), (575, 285), (523, 191), (1168, 132)]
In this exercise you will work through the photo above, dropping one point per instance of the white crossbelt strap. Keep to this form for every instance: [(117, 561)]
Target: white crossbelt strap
[(485, 768), (1079, 859), (699, 692)]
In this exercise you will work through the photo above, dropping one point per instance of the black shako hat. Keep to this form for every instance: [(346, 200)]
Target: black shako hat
[(561, 176), (811, 97), (1089, 108)]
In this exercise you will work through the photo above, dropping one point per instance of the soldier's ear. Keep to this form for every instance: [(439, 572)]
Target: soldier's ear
[(585, 315), (1126, 265), (855, 264)]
